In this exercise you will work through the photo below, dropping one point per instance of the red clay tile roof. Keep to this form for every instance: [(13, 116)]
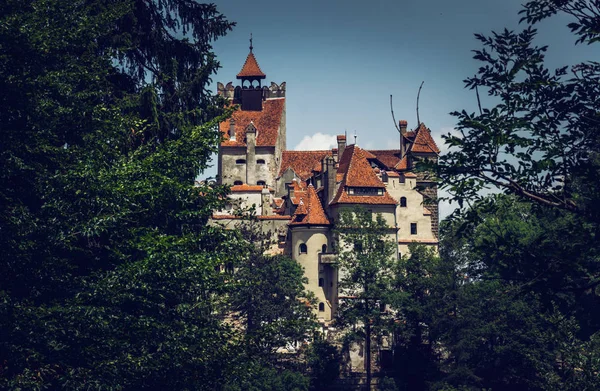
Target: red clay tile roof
[(424, 143), (393, 174), (388, 157), (310, 211), (402, 164), (251, 68), (342, 197), (266, 121), (410, 175), (357, 170), (299, 191), (302, 162), (245, 187)]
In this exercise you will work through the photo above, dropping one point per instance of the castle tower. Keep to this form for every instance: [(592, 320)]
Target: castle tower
[(310, 239), (251, 94), (254, 137)]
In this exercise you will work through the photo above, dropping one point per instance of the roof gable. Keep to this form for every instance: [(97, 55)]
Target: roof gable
[(310, 211), (251, 68), (423, 142), (358, 172)]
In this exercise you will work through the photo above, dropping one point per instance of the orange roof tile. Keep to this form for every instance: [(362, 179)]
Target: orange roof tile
[(266, 121), (410, 175), (251, 68), (402, 164), (393, 174), (310, 211), (424, 143), (246, 187), (389, 157), (302, 162), (299, 191), (357, 170), (342, 197)]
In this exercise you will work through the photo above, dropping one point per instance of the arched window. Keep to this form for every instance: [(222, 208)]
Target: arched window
[(240, 161), (321, 307), (321, 282), (260, 161), (303, 248), (324, 249), (261, 183), (238, 183), (403, 202)]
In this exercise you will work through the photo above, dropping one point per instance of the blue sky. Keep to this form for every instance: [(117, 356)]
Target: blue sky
[(341, 60)]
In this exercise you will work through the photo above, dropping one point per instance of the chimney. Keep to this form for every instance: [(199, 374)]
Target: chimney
[(232, 129), (330, 179), (265, 201), (341, 140), (403, 125), (251, 154)]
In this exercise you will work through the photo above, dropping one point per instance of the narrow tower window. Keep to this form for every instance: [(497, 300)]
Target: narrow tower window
[(403, 202), (324, 249), (321, 307), (321, 282), (413, 228), (260, 161), (303, 248), (240, 161)]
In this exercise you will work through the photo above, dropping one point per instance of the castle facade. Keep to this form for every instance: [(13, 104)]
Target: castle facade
[(298, 195)]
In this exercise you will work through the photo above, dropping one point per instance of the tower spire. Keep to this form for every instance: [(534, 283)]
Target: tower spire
[(251, 47)]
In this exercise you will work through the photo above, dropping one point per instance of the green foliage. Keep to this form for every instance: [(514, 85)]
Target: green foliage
[(366, 257), (541, 141), (323, 361), (108, 270), (422, 294), (522, 301)]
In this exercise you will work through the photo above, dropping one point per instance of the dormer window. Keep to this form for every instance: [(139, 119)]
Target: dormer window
[(240, 161), (238, 183), (260, 161), (261, 183), (365, 191)]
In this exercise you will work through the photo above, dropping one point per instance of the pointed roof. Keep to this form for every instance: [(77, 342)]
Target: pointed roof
[(357, 172), (310, 211), (423, 142), (303, 162), (356, 168), (251, 68)]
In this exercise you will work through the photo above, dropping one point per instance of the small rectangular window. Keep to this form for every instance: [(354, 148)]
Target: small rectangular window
[(413, 228)]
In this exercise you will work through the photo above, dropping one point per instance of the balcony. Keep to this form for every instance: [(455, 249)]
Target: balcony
[(327, 259)]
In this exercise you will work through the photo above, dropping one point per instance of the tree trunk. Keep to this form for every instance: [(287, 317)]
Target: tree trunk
[(368, 351)]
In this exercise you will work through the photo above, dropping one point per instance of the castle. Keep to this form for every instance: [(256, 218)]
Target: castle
[(298, 195)]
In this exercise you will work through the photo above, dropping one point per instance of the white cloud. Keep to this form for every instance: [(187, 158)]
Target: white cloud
[(317, 141), (437, 136)]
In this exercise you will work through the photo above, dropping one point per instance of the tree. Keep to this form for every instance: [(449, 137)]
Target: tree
[(530, 266), (422, 294), (541, 142), (108, 271), (366, 258)]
